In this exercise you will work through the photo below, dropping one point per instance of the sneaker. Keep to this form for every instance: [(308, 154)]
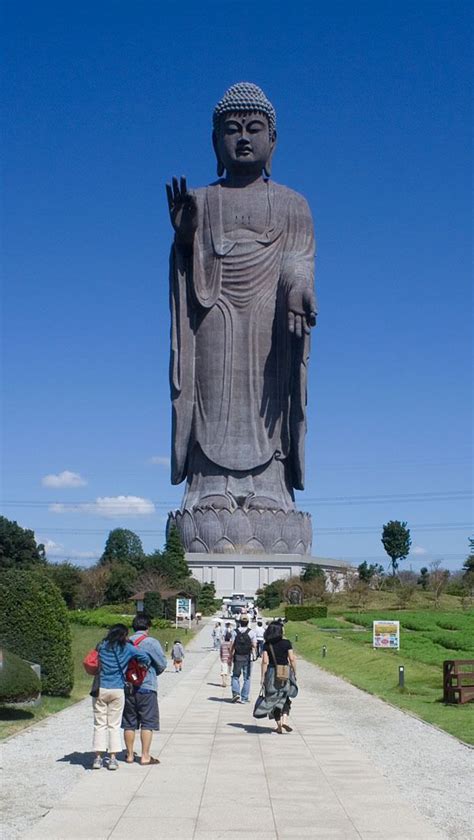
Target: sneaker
[(245, 700), (113, 764), (235, 698), (97, 763)]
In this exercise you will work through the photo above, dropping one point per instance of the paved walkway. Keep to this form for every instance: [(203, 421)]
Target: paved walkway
[(223, 775)]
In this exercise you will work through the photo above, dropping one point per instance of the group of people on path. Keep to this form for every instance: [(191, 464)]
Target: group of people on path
[(119, 703), (240, 647)]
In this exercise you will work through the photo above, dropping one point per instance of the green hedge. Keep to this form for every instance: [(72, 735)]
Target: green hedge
[(34, 625), (18, 681), (104, 618), (302, 613)]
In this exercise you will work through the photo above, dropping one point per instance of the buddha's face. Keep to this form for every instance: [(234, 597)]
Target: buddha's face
[(243, 142)]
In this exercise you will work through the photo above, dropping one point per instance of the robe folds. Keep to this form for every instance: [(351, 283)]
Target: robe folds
[(238, 377)]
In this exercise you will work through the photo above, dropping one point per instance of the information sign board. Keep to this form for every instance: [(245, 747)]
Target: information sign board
[(183, 607), (386, 634)]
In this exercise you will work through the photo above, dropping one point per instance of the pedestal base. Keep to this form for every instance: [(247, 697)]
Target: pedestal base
[(245, 573), (248, 531)]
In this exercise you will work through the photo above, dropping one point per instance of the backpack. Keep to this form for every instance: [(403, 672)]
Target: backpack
[(91, 662), (136, 672), (243, 643)]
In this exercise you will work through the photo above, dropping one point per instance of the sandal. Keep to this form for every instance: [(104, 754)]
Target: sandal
[(152, 761)]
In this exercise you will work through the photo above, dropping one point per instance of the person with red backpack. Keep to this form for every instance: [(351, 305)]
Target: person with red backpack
[(141, 699), (114, 655), (244, 644)]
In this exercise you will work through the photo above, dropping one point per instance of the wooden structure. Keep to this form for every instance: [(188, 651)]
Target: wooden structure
[(458, 680)]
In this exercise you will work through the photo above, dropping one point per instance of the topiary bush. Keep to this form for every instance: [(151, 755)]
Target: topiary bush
[(34, 625), (18, 681), (302, 613)]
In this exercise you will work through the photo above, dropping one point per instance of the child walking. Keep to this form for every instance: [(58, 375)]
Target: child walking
[(177, 655)]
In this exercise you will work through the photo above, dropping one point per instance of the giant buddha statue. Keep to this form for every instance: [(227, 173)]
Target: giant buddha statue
[(242, 307)]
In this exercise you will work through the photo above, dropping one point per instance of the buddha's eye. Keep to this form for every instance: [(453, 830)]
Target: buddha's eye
[(231, 127), (255, 126)]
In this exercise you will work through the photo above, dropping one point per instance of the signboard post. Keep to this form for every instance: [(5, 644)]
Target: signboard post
[(183, 609), (386, 634)]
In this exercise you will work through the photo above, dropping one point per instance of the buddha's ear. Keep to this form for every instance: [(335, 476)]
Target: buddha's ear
[(268, 165), (220, 165)]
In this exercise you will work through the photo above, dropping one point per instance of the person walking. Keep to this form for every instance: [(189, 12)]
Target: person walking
[(177, 655), (225, 654), (278, 674), (141, 704), (243, 649), (115, 652), (216, 635), (259, 635)]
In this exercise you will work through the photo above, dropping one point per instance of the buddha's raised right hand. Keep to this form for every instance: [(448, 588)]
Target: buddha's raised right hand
[(183, 211)]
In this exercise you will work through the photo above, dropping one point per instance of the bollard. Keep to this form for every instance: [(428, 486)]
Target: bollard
[(166, 647), (324, 651), (296, 637), (401, 676)]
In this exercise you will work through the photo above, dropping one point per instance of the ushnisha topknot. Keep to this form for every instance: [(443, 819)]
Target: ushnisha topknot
[(245, 97)]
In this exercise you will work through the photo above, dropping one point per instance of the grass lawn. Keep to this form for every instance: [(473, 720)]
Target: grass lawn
[(427, 638), (12, 720)]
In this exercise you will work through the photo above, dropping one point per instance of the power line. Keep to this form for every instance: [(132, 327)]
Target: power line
[(358, 529), (438, 496)]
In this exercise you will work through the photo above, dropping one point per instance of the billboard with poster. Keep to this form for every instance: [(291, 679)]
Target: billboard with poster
[(386, 634)]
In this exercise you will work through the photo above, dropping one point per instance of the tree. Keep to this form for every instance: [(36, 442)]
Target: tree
[(312, 571), (123, 546), (93, 587), (424, 578), (206, 599), (271, 595), (121, 583), (468, 567), (152, 604), (396, 541), (173, 559), (438, 579), (18, 547), (67, 578), (367, 573)]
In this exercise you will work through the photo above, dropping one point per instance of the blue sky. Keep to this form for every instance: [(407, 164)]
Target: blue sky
[(104, 103)]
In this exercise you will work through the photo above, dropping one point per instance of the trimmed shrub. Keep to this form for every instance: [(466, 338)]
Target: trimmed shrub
[(18, 681), (153, 605), (34, 625), (104, 618), (302, 613)]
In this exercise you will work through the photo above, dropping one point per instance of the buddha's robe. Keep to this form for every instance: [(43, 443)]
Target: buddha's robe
[(238, 377)]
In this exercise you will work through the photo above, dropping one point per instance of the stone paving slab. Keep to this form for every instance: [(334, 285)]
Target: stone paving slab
[(222, 773)]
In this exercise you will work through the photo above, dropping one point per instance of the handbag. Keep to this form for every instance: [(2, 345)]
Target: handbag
[(91, 662), (256, 709), (95, 688), (282, 672)]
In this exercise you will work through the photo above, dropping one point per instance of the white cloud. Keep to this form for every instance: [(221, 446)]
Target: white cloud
[(418, 549), (109, 507), (66, 478), (53, 549), (161, 460)]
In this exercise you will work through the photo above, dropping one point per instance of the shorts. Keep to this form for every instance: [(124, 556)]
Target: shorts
[(141, 711), (177, 661), (225, 669)]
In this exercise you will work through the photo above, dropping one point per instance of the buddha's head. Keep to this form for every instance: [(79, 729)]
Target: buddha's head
[(244, 131)]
